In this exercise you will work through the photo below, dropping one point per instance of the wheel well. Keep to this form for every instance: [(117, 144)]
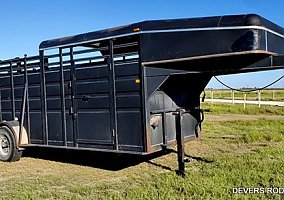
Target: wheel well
[(7, 125), (13, 126)]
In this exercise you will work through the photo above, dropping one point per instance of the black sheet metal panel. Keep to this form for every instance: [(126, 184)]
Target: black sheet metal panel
[(211, 44), (164, 47), (128, 97), (93, 103), (174, 92)]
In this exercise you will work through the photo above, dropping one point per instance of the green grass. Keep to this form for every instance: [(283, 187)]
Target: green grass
[(214, 180), (247, 152), (224, 108), (261, 130)]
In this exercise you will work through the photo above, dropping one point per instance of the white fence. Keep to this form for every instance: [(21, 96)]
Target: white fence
[(259, 103), (244, 100)]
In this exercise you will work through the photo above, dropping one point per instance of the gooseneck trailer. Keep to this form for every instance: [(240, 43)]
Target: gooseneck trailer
[(132, 89)]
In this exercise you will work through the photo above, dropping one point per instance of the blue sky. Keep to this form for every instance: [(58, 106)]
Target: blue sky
[(24, 24)]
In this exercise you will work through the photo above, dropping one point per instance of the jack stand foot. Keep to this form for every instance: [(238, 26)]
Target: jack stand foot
[(180, 173)]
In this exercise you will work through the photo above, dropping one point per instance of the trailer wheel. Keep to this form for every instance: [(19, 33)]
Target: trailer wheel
[(8, 148)]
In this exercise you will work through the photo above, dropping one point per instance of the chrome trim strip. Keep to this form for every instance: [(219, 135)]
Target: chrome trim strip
[(206, 56), (266, 40)]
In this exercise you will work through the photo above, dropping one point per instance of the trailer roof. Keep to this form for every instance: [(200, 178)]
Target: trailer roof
[(204, 23)]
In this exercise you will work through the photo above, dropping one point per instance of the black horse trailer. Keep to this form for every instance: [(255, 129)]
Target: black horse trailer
[(132, 89)]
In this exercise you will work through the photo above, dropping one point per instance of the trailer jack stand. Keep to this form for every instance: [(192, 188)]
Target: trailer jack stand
[(180, 143)]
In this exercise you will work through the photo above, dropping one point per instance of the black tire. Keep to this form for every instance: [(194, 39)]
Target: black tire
[(8, 147)]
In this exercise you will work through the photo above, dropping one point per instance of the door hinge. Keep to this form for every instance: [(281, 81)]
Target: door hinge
[(110, 63), (69, 84), (75, 115), (113, 133), (72, 112)]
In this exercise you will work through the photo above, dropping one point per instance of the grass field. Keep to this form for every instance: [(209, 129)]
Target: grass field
[(237, 149), (265, 95)]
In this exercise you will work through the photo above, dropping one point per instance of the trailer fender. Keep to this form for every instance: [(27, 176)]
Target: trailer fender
[(14, 127), (9, 149)]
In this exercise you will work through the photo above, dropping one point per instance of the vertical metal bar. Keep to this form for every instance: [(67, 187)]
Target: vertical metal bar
[(73, 96), (43, 98), (145, 113), (23, 113), (259, 97), (0, 107), (233, 97), (62, 98), (165, 131), (12, 92), (27, 98), (266, 41), (113, 95), (245, 98), (180, 143)]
